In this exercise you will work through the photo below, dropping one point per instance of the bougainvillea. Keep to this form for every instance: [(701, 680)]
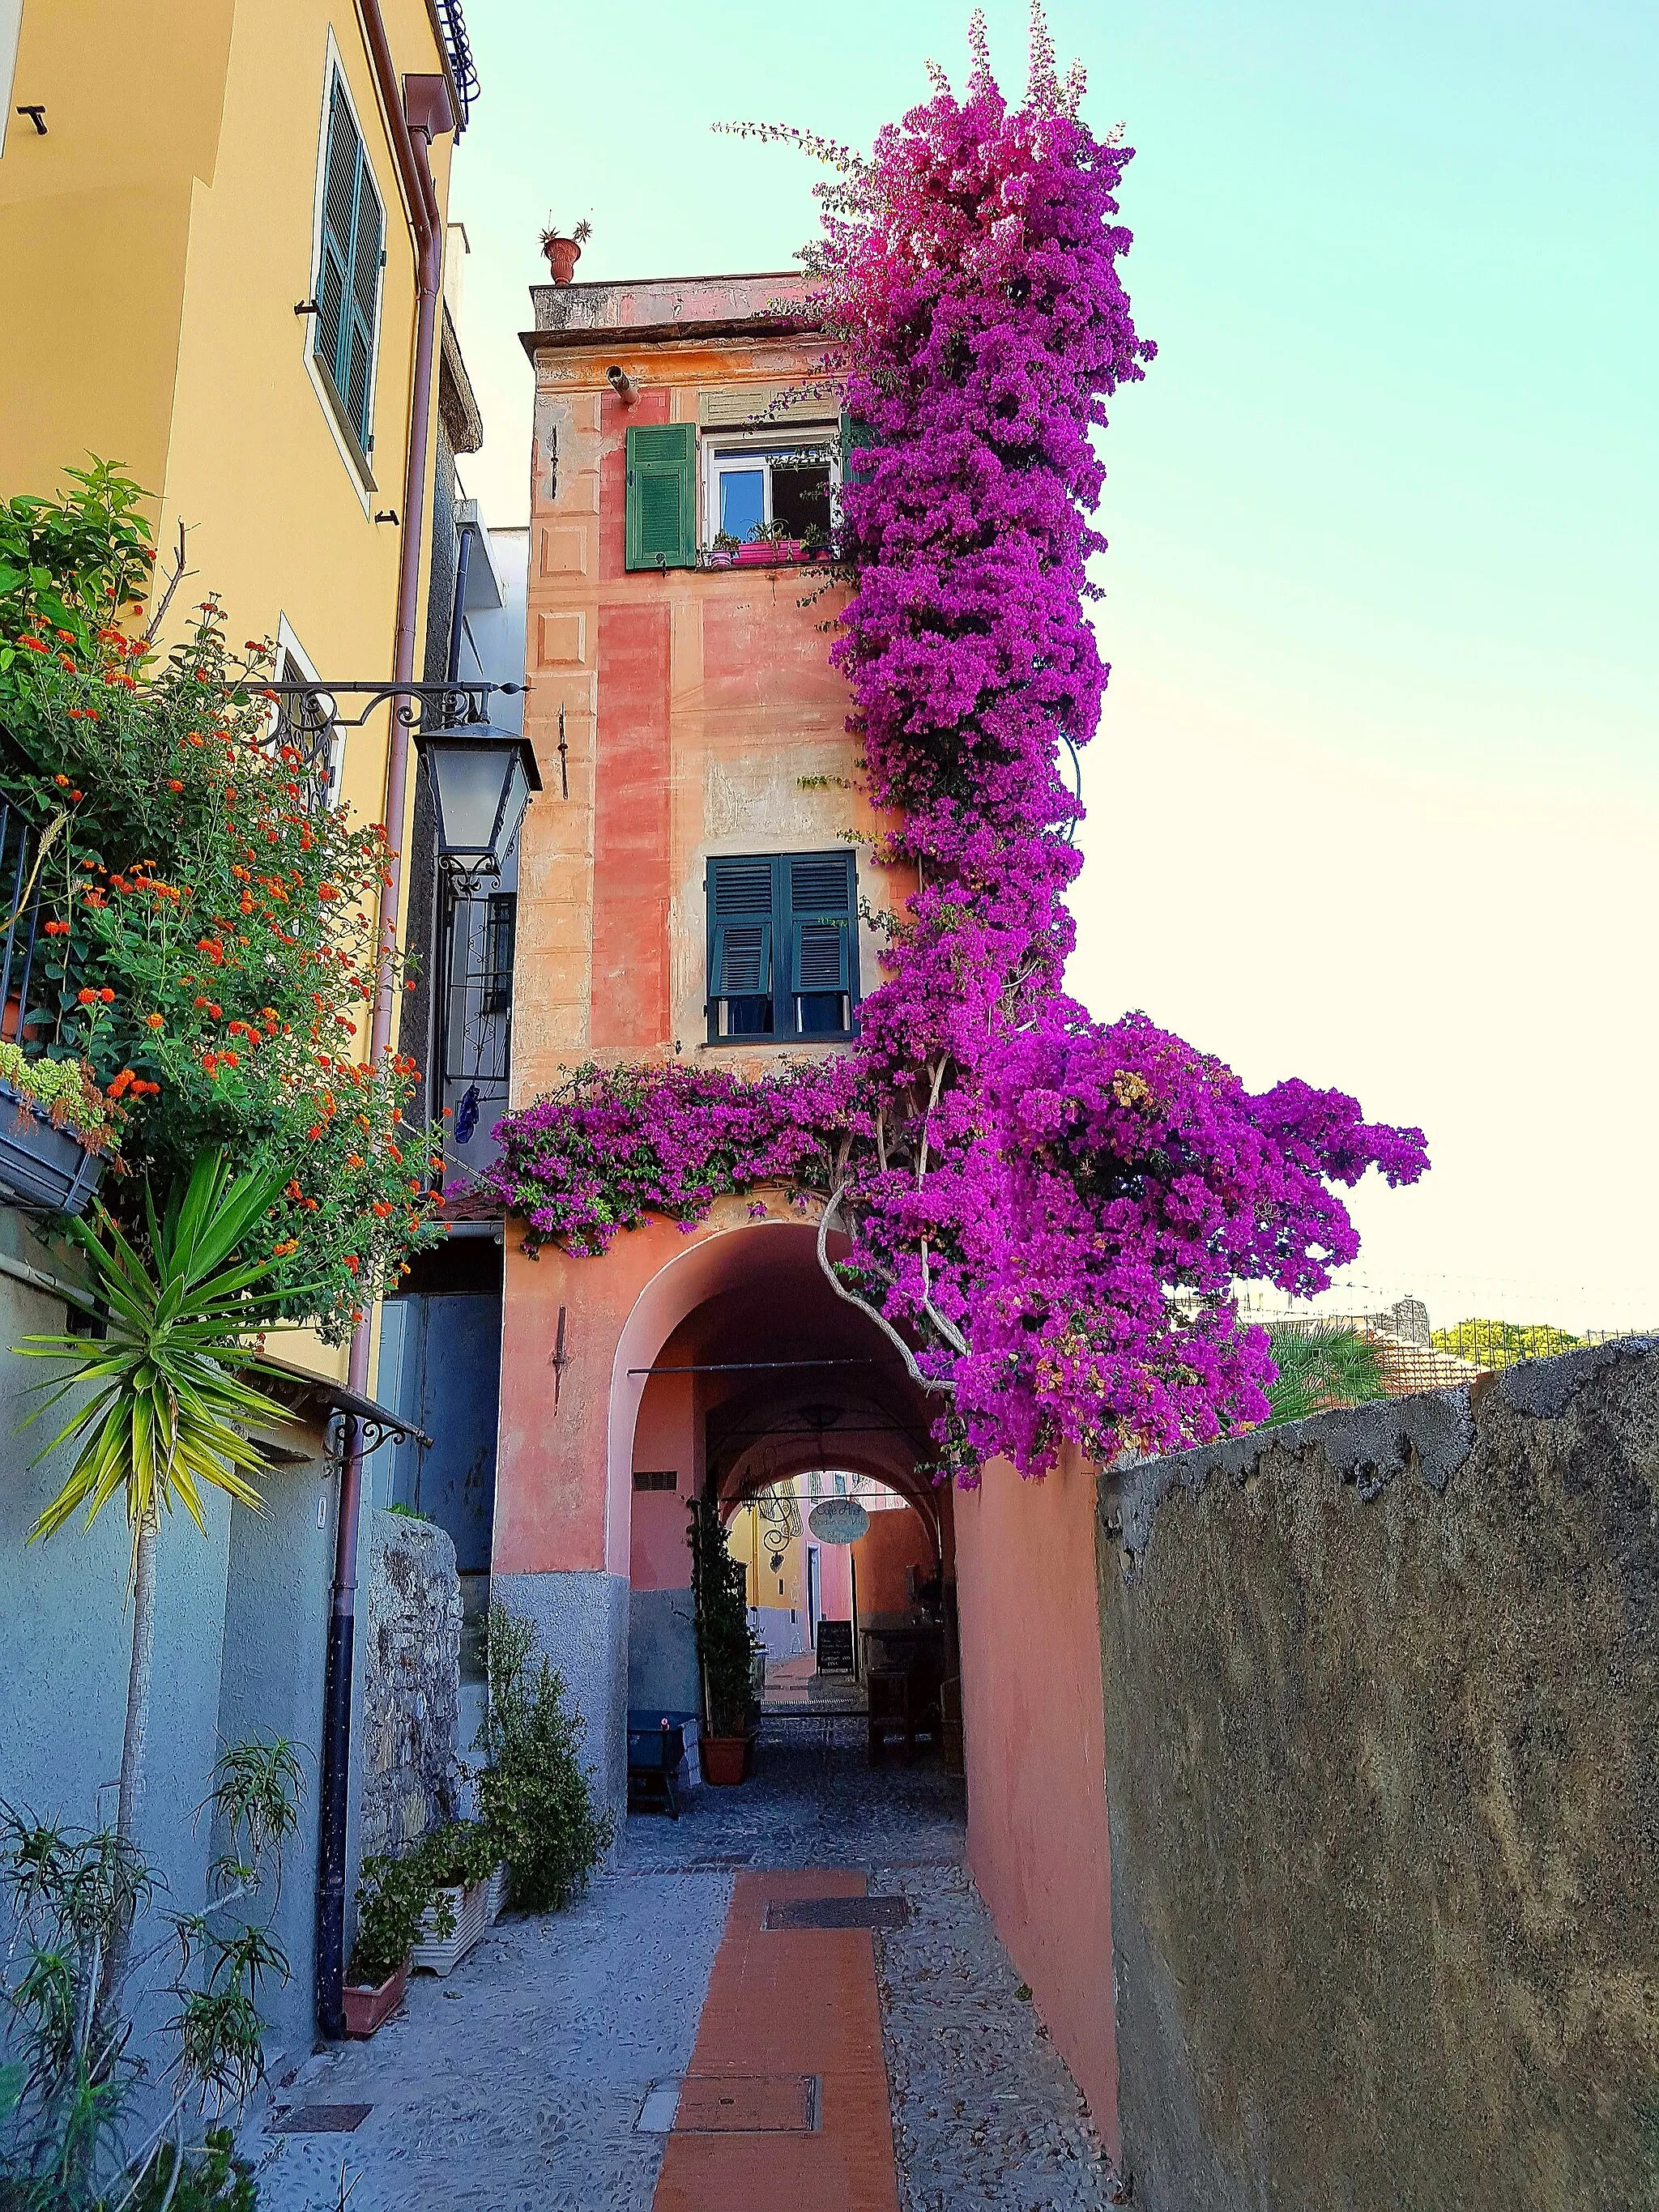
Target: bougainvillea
[(206, 927), (1047, 1212)]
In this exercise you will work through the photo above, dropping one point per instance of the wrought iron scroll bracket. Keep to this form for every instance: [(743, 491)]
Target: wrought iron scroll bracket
[(444, 706)]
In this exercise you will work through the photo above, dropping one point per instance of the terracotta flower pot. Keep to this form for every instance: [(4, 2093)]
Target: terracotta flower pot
[(726, 1758), (563, 255), (367, 2009)]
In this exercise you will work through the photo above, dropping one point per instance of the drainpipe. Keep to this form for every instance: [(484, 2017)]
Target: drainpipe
[(412, 128)]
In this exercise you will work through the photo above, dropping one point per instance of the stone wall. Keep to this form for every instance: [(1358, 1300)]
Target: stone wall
[(411, 1682), (1383, 1784)]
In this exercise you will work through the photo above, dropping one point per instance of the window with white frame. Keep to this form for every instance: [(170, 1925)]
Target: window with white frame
[(772, 488), (307, 728)]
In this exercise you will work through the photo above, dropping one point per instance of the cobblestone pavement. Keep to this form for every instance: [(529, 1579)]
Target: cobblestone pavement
[(515, 2085)]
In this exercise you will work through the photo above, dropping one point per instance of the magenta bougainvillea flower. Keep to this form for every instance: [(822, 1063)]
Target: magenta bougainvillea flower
[(1049, 1212)]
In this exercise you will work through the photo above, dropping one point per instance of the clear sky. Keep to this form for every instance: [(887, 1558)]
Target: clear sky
[(1376, 796)]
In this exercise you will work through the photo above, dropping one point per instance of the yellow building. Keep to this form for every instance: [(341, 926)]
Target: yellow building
[(222, 234)]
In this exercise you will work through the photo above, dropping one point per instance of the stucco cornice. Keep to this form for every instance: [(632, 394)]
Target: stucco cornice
[(607, 342)]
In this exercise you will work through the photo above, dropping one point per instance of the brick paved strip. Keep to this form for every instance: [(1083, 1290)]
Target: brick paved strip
[(786, 2002)]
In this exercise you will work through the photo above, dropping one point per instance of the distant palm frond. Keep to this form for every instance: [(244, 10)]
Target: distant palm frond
[(1321, 1368)]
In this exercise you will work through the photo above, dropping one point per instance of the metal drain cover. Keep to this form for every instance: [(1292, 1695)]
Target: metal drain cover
[(837, 1912), (747, 2104), (318, 2119)]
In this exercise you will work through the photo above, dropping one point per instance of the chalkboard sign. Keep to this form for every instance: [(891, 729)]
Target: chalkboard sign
[(834, 1647)]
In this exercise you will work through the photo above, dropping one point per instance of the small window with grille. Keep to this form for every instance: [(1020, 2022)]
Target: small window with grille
[(306, 725), (782, 947), (351, 257), (655, 1478)]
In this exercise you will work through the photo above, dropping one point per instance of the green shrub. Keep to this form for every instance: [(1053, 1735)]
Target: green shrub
[(1501, 1343), (207, 911), (533, 1792), (458, 1853), (213, 2179)]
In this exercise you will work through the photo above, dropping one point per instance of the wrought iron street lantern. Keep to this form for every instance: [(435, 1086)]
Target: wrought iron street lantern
[(481, 780)]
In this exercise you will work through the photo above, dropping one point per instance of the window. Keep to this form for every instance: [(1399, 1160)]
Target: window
[(307, 727), (661, 526), (351, 257), (500, 933), (770, 489), (652, 1478), (782, 952)]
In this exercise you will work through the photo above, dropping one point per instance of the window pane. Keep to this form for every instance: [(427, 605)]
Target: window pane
[(821, 1013), (743, 500), (800, 498), (748, 1017)]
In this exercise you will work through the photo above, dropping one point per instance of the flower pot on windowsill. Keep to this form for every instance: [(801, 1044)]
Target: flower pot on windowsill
[(767, 552), (40, 1164), (367, 2009), (471, 1915), (727, 1759)]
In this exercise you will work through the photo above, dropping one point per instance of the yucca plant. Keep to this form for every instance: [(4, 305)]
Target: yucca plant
[(169, 1403)]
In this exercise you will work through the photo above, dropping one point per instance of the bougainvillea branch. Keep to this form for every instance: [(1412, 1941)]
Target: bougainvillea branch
[(1048, 1214)]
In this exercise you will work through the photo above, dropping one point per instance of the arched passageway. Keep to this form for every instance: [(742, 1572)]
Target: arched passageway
[(717, 1355), (767, 1388)]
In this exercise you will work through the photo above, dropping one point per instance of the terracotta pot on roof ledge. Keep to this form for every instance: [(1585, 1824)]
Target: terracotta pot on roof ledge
[(563, 255)]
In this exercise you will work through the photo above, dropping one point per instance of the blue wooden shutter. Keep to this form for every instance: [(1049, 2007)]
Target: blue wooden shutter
[(821, 923), (661, 526), (740, 917)]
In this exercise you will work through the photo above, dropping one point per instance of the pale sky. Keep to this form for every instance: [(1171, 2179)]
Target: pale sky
[(1375, 798)]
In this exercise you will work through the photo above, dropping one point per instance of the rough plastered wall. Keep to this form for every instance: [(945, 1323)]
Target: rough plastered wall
[(411, 1682), (1380, 1699)]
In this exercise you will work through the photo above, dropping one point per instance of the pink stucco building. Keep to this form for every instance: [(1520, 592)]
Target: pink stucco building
[(696, 880)]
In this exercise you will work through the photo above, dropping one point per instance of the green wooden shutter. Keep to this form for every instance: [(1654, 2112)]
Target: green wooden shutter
[(857, 439), (339, 214), (662, 497), (366, 259), (821, 886), (348, 271)]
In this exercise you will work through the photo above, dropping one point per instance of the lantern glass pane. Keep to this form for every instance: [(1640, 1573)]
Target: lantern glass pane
[(468, 779)]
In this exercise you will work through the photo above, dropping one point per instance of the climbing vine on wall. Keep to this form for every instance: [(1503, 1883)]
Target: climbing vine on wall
[(1048, 1214)]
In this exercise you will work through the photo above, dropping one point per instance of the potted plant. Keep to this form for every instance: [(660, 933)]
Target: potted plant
[(727, 1648), (725, 550), (393, 1899), (58, 1133), (537, 1798), (769, 542), (563, 250), (462, 1860)]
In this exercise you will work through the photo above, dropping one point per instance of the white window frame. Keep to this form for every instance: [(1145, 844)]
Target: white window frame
[(11, 31), (719, 450), (331, 403)]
